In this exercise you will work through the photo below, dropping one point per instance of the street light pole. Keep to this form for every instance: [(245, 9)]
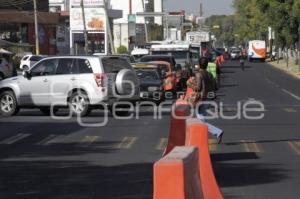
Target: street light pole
[(36, 29), (86, 49)]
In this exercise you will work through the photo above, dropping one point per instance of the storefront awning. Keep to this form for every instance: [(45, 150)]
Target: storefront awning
[(13, 16)]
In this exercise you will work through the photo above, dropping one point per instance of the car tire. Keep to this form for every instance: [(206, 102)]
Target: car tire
[(123, 77), (47, 110), (79, 104), (8, 104)]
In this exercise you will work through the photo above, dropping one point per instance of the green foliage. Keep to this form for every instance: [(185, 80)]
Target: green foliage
[(252, 19), (254, 16), (222, 27), (122, 50)]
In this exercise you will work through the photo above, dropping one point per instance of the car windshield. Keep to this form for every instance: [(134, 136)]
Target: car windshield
[(146, 74), (178, 55)]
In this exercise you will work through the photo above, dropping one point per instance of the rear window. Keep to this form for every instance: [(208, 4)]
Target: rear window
[(115, 64), (150, 59), (145, 74), (82, 66), (25, 58), (36, 58)]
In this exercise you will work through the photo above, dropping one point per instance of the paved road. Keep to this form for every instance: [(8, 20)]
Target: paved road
[(259, 158), (48, 158)]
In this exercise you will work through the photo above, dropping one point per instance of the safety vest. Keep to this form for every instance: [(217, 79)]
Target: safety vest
[(212, 68)]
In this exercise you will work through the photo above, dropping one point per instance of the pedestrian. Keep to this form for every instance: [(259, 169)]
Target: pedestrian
[(204, 86)]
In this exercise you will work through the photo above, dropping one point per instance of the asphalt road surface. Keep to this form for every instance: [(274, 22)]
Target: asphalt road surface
[(48, 158)]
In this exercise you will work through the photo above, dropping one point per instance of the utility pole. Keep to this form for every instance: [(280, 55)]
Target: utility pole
[(108, 28), (130, 7), (85, 33), (146, 29), (36, 29)]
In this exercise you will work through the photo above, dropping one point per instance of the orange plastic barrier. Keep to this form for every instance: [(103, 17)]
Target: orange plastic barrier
[(177, 127), (197, 136), (176, 176)]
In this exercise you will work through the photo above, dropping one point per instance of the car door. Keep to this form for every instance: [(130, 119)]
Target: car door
[(63, 82), (35, 90)]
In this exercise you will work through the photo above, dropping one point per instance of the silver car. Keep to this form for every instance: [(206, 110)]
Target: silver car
[(80, 82)]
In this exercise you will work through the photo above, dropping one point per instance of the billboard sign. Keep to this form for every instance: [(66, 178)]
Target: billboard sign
[(198, 37), (94, 17), (87, 3)]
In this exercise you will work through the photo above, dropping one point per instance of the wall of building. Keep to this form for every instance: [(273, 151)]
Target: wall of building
[(46, 37)]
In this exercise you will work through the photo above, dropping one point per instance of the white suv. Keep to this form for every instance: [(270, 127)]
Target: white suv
[(29, 60), (82, 82), (6, 69)]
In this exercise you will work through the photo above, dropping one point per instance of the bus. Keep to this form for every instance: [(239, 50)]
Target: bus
[(257, 50)]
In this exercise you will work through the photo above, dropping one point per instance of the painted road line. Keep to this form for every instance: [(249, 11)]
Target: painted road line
[(291, 94), (46, 140), (89, 139), (213, 145), (251, 146), (273, 83), (55, 140), (15, 138), (162, 144), (290, 110), (295, 146), (127, 143)]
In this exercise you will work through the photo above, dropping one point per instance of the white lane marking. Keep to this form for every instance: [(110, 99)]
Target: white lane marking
[(15, 138), (56, 139), (291, 94), (46, 140)]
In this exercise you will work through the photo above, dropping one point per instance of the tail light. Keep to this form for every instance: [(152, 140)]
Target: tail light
[(100, 79)]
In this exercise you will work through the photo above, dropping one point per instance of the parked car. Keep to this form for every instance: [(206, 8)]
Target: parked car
[(29, 60), (129, 58), (235, 54), (180, 75), (6, 69), (80, 82), (151, 82), (167, 58), (170, 75)]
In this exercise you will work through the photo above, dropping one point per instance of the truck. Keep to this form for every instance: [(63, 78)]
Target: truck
[(257, 50)]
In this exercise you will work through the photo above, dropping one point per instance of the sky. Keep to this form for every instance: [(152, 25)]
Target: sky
[(211, 7)]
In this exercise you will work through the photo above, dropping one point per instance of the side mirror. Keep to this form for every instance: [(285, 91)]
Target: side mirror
[(27, 74)]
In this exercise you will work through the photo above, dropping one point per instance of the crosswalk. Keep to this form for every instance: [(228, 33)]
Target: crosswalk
[(129, 142)]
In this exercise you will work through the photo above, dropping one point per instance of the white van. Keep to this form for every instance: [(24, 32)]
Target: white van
[(257, 50)]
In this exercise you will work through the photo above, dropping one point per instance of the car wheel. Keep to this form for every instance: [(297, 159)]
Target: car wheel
[(8, 104), (47, 110), (79, 104)]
